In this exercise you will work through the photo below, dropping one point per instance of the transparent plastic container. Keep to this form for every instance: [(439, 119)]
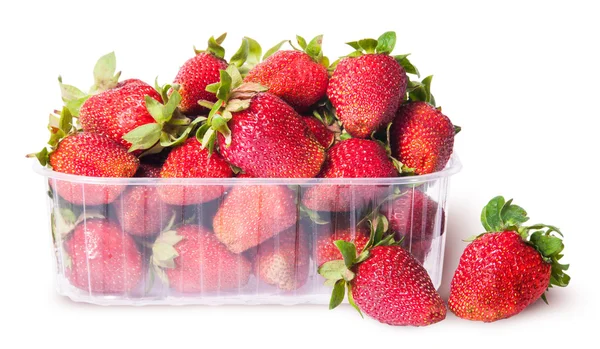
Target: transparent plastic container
[(139, 241)]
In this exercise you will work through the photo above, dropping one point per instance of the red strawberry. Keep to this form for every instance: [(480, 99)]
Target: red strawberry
[(325, 244), (366, 90), (297, 77), (412, 217), (250, 215), (322, 134), (190, 160), (102, 258), (270, 140), (191, 260), (117, 111), (148, 171), (351, 158), (93, 155), (385, 282), (506, 269), (283, 260), (141, 211), (422, 137)]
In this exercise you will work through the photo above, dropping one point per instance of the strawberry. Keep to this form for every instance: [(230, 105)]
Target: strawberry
[(147, 170), (191, 260), (141, 211), (412, 217), (297, 77), (283, 260), (199, 72), (87, 154), (252, 214), (190, 160), (322, 134), (258, 132), (366, 89), (102, 258), (507, 268), (351, 158), (384, 281), (326, 250), (421, 137)]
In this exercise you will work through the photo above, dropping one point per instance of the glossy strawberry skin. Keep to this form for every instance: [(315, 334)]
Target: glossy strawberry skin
[(270, 140), (193, 77), (412, 217), (322, 134), (366, 92), (497, 277), (421, 137), (393, 288), (351, 158), (204, 264), (116, 112), (293, 76), (250, 215), (92, 155), (103, 258), (283, 260), (189, 160)]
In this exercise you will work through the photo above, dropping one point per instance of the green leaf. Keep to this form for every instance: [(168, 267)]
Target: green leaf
[(491, 217), (143, 137), (104, 73), (155, 108), (236, 77), (65, 122), (75, 105), (407, 65), (69, 93), (213, 88), (301, 42), (171, 105), (254, 52), (225, 88), (457, 129), (274, 49), (362, 257), (351, 301), (209, 138), (239, 58), (42, 156), (354, 45), (236, 105), (333, 270), (513, 215), (368, 45), (215, 47), (348, 251), (221, 38), (548, 245), (386, 42), (337, 295), (219, 123), (206, 104), (314, 48)]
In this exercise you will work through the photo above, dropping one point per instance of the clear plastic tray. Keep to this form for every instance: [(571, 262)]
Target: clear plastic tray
[(238, 240)]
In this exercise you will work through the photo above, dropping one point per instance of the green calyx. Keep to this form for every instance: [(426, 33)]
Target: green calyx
[(500, 215), (164, 253), (60, 126), (420, 91), (170, 128), (340, 273), (384, 44), (313, 48), (233, 95), (214, 46)]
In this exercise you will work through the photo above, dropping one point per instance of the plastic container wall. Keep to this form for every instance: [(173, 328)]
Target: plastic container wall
[(140, 241)]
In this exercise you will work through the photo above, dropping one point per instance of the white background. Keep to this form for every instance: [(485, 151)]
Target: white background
[(521, 79)]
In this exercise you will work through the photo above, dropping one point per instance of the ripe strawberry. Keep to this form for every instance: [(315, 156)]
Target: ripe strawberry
[(259, 133), (366, 89), (322, 134), (93, 155), (190, 160), (141, 212), (507, 268), (384, 281), (250, 215), (297, 77), (351, 158), (102, 258), (148, 171), (412, 217), (421, 137), (191, 260), (117, 111), (328, 251), (283, 260)]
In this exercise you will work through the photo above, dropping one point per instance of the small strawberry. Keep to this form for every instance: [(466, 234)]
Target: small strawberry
[(322, 134), (199, 72), (421, 137), (190, 160), (102, 258), (384, 281), (258, 132), (351, 158), (252, 214), (283, 260), (191, 260), (367, 87), (412, 217), (141, 212), (507, 268), (328, 251), (298, 77)]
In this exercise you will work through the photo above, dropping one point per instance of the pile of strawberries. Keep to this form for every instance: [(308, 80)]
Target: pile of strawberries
[(284, 114)]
